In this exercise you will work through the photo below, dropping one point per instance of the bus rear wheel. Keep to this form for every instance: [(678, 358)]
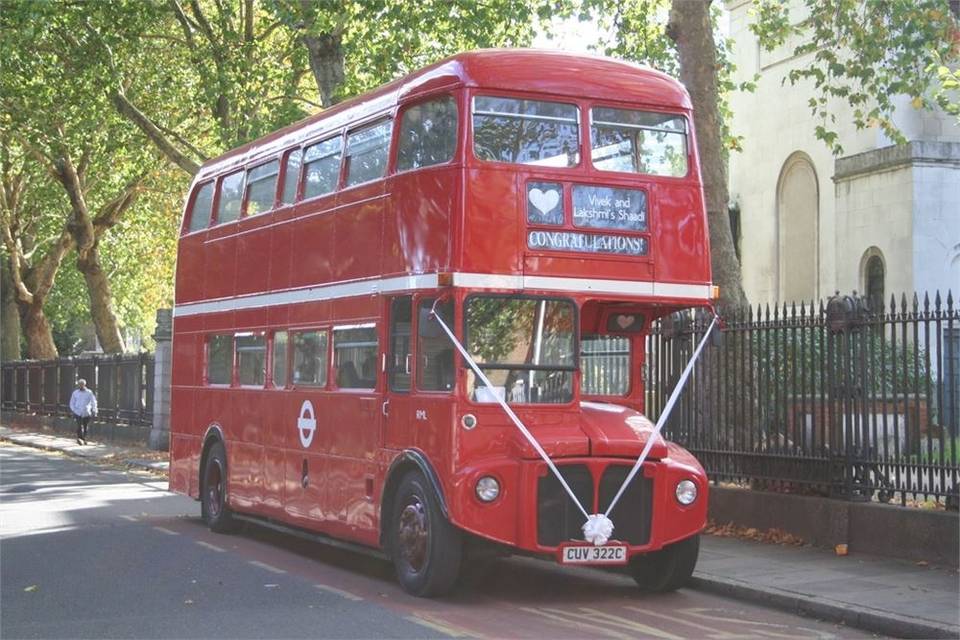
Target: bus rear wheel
[(426, 549), (213, 491), (667, 569)]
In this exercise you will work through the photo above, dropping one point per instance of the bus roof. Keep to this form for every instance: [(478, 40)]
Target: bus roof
[(528, 70)]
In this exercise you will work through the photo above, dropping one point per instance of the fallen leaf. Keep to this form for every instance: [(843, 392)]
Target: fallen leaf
[(31, 588), (841, 549), (188, 602), (922, 563)]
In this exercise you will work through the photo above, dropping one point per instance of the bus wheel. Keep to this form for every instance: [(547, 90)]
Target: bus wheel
[(426, 548), (213, 491), (667, 569)]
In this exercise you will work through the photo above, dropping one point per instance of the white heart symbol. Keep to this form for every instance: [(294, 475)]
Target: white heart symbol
[(545, 201), (625, 321)]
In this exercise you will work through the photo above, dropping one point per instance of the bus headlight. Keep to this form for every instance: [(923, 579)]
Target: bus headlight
[(488, 489), (686, 492)]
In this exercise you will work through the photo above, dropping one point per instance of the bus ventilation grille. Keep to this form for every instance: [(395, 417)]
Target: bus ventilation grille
[(631, 517), (558, 519)]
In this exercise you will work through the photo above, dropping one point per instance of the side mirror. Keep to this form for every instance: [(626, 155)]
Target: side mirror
[(427, 325)]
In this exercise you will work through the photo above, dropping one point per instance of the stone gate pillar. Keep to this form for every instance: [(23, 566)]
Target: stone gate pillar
[(163, 361)]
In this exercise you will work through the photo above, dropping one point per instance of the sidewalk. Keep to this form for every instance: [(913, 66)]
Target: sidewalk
[(890, 597)]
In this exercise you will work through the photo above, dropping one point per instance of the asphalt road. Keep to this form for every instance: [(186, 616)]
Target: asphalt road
[(92, 552)]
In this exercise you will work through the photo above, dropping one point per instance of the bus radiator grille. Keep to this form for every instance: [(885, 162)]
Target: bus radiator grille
[(558, 519), (631, 517)]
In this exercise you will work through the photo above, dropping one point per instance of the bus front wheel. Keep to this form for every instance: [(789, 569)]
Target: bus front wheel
[(213, 491), (667, 569), (426, 549)]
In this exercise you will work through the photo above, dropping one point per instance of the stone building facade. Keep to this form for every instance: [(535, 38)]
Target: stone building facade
[(879, 219)]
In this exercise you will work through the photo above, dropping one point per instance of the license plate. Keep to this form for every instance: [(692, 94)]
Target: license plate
[(589, 554)]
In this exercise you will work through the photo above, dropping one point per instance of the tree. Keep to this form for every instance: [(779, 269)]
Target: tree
[(33, 249), (866, 53), (81, 147), (226, 73), (691, 28)]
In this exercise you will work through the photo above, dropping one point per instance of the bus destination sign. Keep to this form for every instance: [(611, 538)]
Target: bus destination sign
[(587, 242), (609, 208)]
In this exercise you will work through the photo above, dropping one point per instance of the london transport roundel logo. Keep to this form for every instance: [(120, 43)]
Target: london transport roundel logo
[(306, 423)]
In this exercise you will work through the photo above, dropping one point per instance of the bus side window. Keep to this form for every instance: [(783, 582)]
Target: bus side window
[(367, 153), (355, 356), (251, 358), (280, 359), (428, 134), (322, 167), (291, 177), (200, 211), (231, 197), (310, 358), (262, 188), (219, 359), (435, 352)]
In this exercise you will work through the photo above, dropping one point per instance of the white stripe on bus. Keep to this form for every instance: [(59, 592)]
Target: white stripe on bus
[(430, 281)]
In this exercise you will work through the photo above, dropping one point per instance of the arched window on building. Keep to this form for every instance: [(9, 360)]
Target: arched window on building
[(798, 219), (873, 276)]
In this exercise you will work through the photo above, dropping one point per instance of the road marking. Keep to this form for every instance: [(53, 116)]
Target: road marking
[(788, 631), (339, 592), (593, 629), (130, 518), (166, 531), (711, 632), (212, 547), (595, 616), (431, 622), (264, 565)]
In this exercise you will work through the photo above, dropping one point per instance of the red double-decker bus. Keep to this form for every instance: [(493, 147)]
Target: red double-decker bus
[(546, 208)]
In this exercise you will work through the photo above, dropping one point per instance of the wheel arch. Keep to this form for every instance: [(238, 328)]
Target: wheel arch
[(408, 460), (213, 435)]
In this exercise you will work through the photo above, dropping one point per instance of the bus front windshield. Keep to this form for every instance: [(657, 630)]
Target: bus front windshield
[(525, 346)]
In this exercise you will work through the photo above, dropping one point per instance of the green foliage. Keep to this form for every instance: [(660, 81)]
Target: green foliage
[(864, 52)]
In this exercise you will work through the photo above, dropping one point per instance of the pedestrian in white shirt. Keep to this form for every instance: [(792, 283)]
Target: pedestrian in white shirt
[(83, 404)]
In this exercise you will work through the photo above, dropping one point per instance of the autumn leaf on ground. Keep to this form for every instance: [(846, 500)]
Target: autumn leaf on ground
[(31, 588)]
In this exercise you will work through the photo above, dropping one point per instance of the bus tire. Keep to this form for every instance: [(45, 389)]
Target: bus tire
[(667, 569), (213, 491), (426, 549)]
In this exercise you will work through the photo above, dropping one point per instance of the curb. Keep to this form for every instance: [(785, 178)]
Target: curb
[(812, 607), (133, 463)]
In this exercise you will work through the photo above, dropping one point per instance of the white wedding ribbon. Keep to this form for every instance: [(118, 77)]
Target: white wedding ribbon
[(598, 528)]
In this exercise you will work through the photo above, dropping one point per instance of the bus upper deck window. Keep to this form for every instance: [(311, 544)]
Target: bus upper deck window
[(428, 134), (262, 187), (200, 212), (231, 195), (638, 142), (322, 162), (367, 153), (526, 131), (291, 176)]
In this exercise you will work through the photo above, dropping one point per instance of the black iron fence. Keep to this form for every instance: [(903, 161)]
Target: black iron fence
[(123, 385), (835, 400)]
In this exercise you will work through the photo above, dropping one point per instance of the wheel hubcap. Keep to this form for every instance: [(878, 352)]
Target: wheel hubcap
[(414, 534), (214, 488)]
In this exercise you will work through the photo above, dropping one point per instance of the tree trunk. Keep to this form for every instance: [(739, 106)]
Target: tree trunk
[(101, 301), (36, 330), (326, 62), (690, 28), (9, 319)]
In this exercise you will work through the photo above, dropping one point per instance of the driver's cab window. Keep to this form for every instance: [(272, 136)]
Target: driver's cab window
[(399, 362), (525, 346), (605, 365)]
